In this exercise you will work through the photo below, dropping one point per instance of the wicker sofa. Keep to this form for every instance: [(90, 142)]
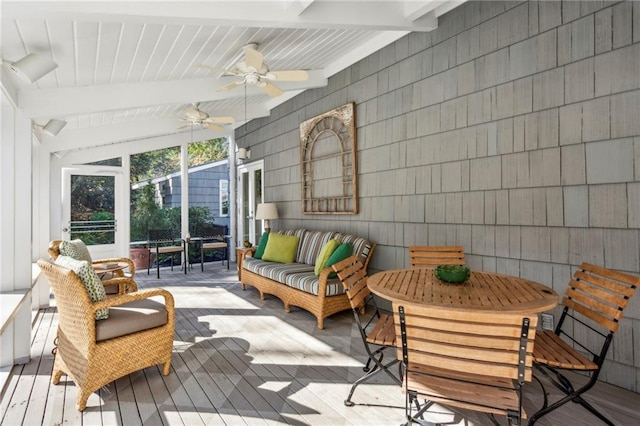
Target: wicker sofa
[(296, 283)]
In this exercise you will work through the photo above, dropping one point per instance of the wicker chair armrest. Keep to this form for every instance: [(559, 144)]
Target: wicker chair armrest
[(322, 282), (125, 285), (138, 295)]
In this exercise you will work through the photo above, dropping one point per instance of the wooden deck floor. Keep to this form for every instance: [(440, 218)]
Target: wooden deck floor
[(240, 360)]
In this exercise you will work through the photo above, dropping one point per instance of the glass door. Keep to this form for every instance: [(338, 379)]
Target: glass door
[(91, 208), (249, 196)]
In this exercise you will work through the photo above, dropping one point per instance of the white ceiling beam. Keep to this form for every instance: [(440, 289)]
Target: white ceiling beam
[(60, 102), (110, 134), (387, 15), (296, 6), (133, 146)]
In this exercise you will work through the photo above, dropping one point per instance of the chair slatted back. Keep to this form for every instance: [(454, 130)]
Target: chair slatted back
[(600, 294), (214, 232), (354, 280), (430, 256), (161, 235), (468, 342)]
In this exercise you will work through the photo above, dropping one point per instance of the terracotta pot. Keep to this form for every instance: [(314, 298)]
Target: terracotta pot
[(142, 257)]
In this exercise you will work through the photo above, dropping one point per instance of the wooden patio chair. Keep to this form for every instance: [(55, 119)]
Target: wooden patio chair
[(162, 241), (122, 281), (432, 256), (213, 238), (471, 359), (137, 334), (594, 300), (378, 333)]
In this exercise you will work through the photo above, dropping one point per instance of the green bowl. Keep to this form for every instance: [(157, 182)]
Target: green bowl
[(453, 274)]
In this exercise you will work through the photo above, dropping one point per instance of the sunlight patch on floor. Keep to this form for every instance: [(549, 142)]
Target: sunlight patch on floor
[(315, 352), (274, 386)]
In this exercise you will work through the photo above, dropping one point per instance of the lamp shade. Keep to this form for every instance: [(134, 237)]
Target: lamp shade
[(53, 127), (266, 211), (32, 67)]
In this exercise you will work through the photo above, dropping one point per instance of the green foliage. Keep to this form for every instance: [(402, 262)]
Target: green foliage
[(147, 215), (91, 194), (207, 151), (148, 165)]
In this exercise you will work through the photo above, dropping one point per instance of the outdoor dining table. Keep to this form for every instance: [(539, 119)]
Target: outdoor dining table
[(483, 290)]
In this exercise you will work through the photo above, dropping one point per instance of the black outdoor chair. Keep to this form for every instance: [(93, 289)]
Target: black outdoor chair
[(594, 300), (214, 238), (163, 241), (472, 359), (378, 331)]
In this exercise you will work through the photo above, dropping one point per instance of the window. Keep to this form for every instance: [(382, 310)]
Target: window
[(224, 197)]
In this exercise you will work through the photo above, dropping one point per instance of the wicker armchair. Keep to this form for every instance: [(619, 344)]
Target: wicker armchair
[(121, 283), (138, 333)]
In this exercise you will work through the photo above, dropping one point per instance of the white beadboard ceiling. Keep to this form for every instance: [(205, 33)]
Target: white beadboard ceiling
[(127, 70)]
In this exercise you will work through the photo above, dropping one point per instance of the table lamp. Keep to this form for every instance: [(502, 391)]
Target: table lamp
[(266, 212)]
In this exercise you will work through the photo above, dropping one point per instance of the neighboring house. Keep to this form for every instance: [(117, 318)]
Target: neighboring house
[(208, 187)]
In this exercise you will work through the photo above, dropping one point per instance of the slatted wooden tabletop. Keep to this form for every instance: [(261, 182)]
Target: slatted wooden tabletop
[(484, 290)]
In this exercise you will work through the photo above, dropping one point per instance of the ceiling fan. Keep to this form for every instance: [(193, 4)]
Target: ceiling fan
[(254, 72), (196, 117)]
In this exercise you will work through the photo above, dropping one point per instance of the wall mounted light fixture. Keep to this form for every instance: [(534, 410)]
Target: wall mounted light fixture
[(244, 154), (32, 67), (53, 127)]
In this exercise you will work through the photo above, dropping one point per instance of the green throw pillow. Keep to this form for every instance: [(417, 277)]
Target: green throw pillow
[(263, 244), (281, 248), (75, 249), (90, 280), (326, 251), (341, 253)]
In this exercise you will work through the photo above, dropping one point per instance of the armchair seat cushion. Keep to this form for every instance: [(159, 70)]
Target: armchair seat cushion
[(216, 245), (170, 249), (131, 317)]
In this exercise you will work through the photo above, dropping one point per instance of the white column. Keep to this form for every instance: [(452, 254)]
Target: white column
[(15, 231), (233, 194)]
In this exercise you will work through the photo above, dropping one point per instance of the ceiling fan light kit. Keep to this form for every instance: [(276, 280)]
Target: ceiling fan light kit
[(254, 72), (194, 116)]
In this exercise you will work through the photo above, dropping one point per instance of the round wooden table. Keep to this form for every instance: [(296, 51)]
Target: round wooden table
[(102, 269), (483, 291)]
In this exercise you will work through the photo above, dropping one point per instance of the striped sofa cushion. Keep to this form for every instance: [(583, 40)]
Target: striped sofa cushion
[(254, 265), (310, 246), (361, 246), (279, 271), (308, 282)]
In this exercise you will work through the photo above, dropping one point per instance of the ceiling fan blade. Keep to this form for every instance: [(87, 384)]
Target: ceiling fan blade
[(288, 75), (214, 127), (271, 89), (222, 120), (253, 58), (230, 85)]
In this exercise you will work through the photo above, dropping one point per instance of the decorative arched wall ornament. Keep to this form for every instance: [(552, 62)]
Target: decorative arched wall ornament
[(328, 162)]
